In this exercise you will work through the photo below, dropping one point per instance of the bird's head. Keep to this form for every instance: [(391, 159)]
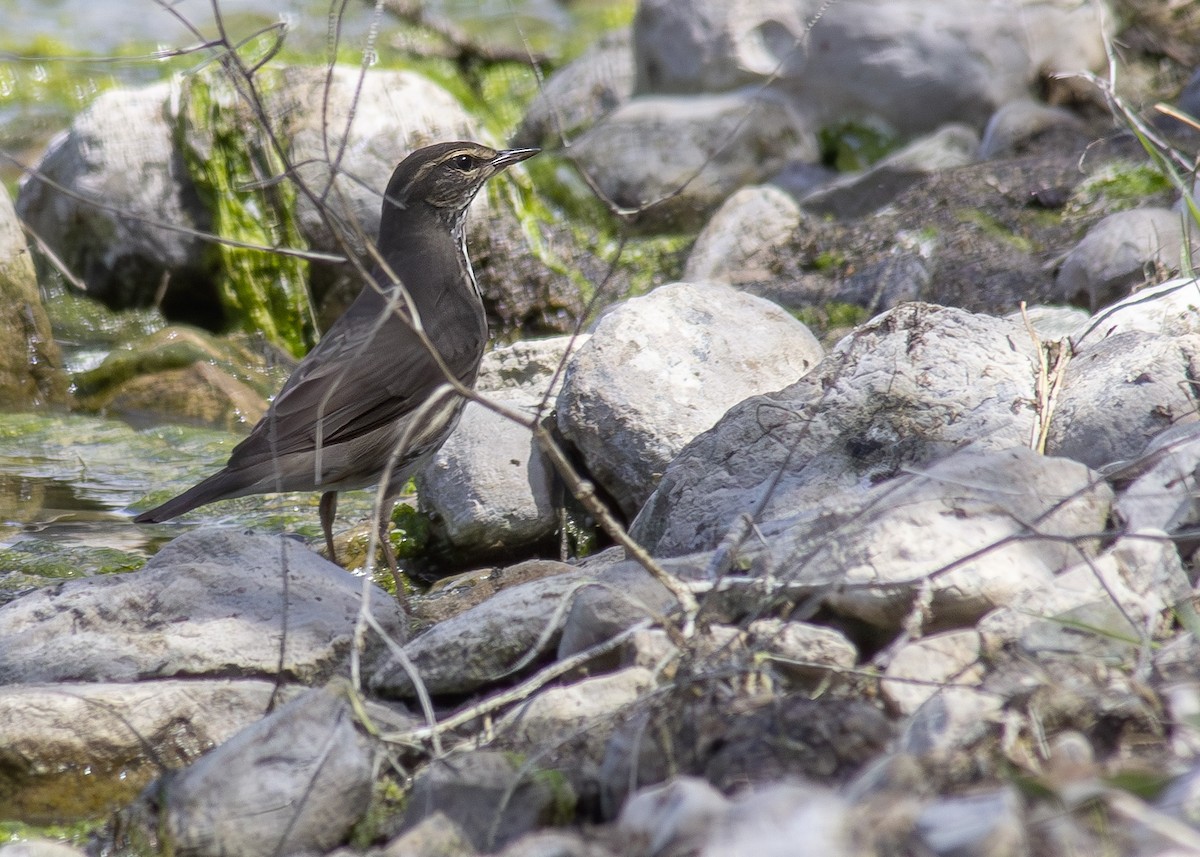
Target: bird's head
[(446, 176)]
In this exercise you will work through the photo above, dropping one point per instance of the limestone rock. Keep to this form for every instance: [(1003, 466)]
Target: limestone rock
[(660, 369)]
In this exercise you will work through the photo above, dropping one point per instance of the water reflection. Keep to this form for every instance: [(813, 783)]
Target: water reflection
[(67, 484), (51, 511)]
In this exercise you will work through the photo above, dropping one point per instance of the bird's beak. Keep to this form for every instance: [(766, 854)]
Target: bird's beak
[(508, 157)]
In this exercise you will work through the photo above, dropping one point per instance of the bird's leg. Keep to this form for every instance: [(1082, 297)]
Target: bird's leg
[(327, 509), (389, 555)]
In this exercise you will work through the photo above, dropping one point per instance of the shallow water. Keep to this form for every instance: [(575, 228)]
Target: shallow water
[(69, 485)]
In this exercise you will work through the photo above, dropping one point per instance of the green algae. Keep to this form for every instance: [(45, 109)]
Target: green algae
[(237, 174), (1117, 187), (177, 348), (77, 833), (853, 146)]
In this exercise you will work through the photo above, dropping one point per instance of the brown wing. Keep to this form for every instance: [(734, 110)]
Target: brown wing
[(369, 370)]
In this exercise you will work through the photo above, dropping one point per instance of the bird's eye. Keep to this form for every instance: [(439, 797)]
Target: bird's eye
[(462, 162)]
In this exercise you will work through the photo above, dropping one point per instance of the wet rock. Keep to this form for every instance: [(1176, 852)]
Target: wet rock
[(894, 64), (490, 796), (677, 158), (395, 112), (1119, 392), (295, 781), (1120, 253), (31, 366), (179, 374), (901, 391), (662, 368), (80, 750), (580, 94), (211, 603), (485, 643), (133, 210), (124, 153)]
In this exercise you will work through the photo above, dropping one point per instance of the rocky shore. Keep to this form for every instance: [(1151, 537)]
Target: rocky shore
[(898, 472)]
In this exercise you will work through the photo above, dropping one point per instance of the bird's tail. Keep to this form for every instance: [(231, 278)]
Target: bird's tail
[(215, 487)]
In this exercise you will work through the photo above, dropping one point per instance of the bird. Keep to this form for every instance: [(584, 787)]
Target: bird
[(370, 401)]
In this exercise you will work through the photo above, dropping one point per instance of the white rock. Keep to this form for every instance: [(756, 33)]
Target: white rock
[(983, 824), (801, 649), (784, 820), (295, 781), (567, 727), (483, 644), (966, 534), (902, 390), (924, 667), (913, 65), (741, 232), (1051, 323), (1163, 496), (1169, 309), (394, 112), (682, 156), (492, 797), (119, 152), (213, 602), (678, 813), (1141, 571), (620, 596), (949, 722), (1121, 252), (662, 368), (1019, 122), (580, 93), (490, 488), (1120, 392)]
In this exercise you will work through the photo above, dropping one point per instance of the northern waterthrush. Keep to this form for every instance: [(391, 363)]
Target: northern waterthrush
[(371, 398)]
